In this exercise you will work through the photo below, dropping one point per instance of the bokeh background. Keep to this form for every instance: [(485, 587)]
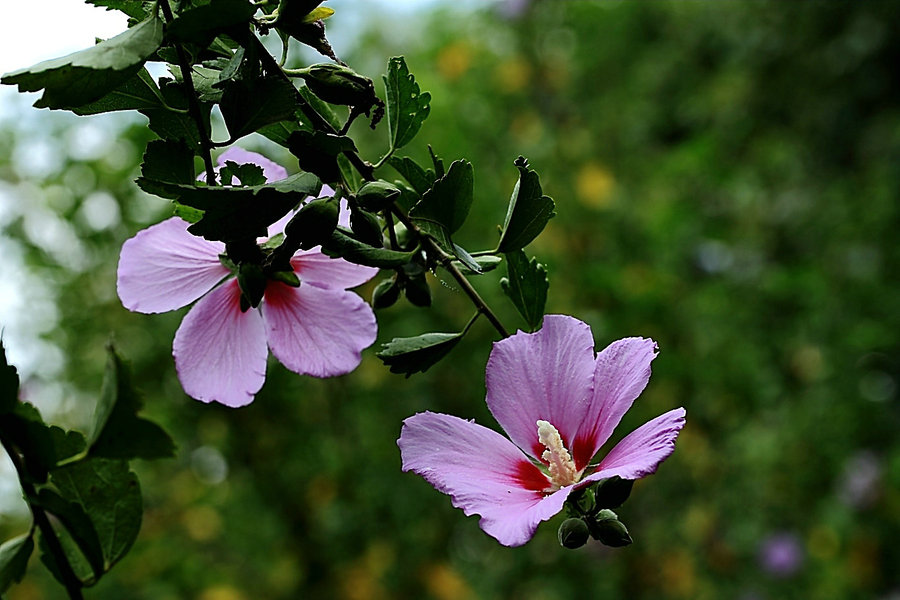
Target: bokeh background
[(726, 178)]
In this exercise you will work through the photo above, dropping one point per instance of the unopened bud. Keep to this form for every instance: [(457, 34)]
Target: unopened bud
[(573, 533), (608, 529), (367, 228), (337, 84), (376, 195), (252, 282), (417, 291), (386, 293), (613, 492), (313, 224)]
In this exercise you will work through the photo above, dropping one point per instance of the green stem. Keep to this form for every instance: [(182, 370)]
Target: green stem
[(70, 580), (446, 261), (193, 103)]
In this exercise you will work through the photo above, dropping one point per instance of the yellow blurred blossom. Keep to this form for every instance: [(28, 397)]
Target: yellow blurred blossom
[(594, 185), (454, 60), (445, 583), (512, 75)]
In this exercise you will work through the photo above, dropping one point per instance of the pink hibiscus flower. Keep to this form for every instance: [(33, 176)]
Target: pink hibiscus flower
[(559, 403), (318, 328)]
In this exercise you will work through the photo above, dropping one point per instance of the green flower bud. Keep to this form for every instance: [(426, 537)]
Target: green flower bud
[(377, 195), (573, 533), (252, 282), (613, 492), (606, 527), (417, 291), (337, 84), (386, 293), (367, 228), (312, 225)]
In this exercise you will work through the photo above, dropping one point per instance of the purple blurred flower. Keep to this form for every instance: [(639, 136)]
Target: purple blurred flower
[(559, 403), (220, 352), (781, 554)]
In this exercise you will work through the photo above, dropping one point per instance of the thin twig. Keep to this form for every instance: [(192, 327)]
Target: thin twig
[(193, 104)]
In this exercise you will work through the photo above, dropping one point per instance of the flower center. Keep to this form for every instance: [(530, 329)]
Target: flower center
[(559, 461)]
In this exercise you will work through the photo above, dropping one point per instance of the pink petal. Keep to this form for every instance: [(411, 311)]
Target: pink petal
[(271, 170), (314, 331), (220, 352), (164, 267), (543, 375), (641, 451), (622, 373), (320, 270), (482, 472)]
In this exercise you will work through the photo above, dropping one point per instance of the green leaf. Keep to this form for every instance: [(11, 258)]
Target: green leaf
[(110, 495), (527, 287), (86, 76), (320, 107), (132, 8), (168, 160), (9, 384), (448, 201), (528, 213), (248, 105), (407, 108), (281, 131), (416, 354), (139, 92), (350, 175), (42, 446), (118, 431), (231, 213), (343, 246), (246, 174), (200, 25), (317, 153), (77, 522), (420, 179), (14, 555), (176, 125)]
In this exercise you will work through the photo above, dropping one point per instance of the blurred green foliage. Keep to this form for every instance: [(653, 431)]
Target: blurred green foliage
[(726, 178)]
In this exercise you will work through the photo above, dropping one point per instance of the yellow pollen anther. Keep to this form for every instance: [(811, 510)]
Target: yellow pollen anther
[(559, 461)]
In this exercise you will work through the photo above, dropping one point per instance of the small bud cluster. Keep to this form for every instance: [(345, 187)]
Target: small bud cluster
[(591, 517)]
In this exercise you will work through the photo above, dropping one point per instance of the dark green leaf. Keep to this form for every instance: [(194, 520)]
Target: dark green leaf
[(416, 354), (246, 174), (527, 287), (83, 77), (110, 495), (448, 201), (317, 153), (343, 246), (78, 564), (42, 445), (118, 431), (137, 93), (201, 24), (420, 179), (77, 522), (437, 162), (168, 160), (407, 108), (176, 125), (231, 213), (466, 259), (281, 131), (9, 384), (349, 173), (14, 555), (132, 8), (321, 107), (248, 105), (528, 213), (205, 79)]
